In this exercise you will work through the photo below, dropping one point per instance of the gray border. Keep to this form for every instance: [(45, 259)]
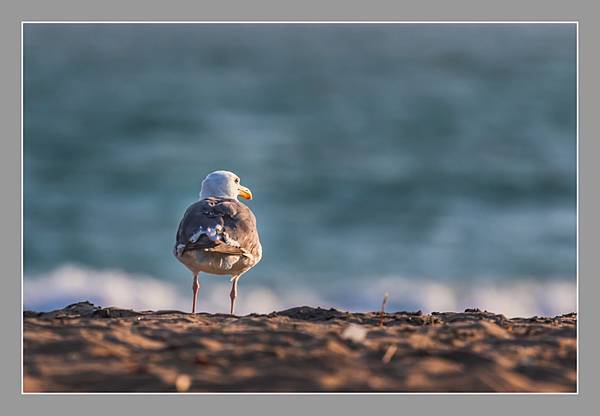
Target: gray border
[(275, 10)]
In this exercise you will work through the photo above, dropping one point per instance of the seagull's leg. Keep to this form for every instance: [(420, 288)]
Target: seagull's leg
[(233, 293), (195, 287)]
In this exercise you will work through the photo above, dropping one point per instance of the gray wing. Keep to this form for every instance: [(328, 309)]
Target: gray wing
[(218, 225)]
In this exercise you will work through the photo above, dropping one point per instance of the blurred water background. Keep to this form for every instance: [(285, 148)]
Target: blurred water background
[(433, 162)]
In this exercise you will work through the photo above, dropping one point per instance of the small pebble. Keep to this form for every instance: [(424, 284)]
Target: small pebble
[(354, 333), (183, 382)]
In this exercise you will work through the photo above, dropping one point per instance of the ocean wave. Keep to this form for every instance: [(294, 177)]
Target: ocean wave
[(72, 283)]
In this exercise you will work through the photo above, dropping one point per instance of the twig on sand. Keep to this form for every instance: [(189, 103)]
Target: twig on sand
[(385, 299), (387, 357)]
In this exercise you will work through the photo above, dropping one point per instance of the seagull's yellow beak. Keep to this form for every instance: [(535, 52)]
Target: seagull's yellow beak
[(245, 192)]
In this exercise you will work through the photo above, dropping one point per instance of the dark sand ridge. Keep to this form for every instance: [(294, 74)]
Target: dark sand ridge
[(84, 348)]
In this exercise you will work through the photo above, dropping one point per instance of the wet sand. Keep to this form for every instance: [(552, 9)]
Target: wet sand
[(84, 348)]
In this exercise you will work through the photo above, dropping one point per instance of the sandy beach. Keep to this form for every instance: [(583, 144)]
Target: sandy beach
[(85, 348)]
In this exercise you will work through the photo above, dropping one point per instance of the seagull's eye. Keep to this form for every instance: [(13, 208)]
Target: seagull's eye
[(237, 180)]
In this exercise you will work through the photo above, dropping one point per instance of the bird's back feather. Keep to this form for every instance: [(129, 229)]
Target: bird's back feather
[(218, 225)]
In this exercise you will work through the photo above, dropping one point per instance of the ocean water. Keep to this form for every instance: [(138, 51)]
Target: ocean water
[(433, 162)]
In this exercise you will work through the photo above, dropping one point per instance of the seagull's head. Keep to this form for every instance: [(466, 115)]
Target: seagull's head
[(223, 184)]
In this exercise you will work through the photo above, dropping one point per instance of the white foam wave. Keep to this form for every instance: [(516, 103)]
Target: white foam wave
[(72, 283)]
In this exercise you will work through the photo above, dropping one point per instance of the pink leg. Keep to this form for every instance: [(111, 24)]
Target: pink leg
[(195, 287), (233, 294)]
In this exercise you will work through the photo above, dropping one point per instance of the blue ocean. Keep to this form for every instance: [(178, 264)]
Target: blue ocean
[(433, 162)]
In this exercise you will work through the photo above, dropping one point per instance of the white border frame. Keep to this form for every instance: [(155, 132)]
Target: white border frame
[(295, 22)]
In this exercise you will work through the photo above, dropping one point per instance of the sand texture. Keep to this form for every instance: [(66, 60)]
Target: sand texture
[(84, 348)]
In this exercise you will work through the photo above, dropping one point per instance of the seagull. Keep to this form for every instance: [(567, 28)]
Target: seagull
[(217, 234)]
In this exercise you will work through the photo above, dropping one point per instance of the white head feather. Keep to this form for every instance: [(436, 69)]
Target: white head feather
[(222, 184)]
